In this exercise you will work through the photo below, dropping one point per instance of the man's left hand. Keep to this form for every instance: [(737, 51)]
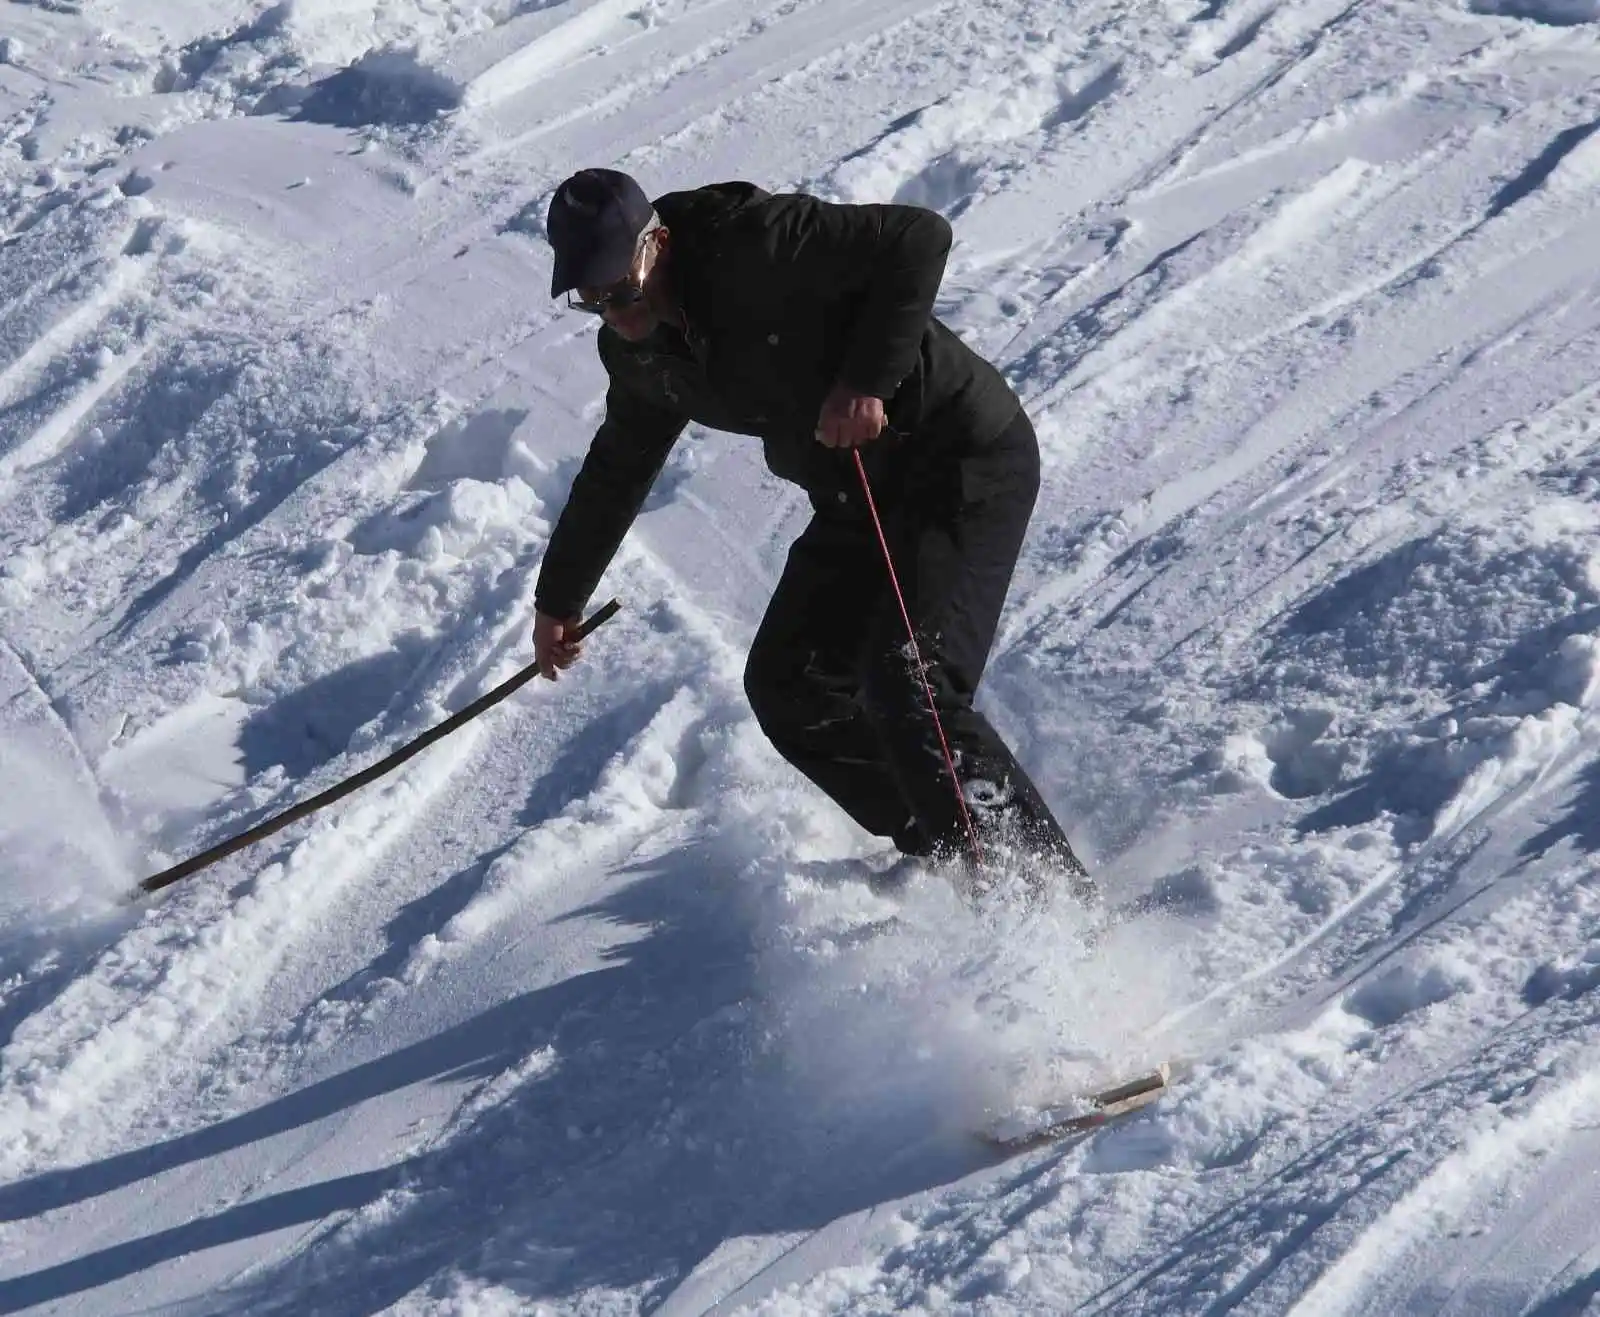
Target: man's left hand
[(849, 419)]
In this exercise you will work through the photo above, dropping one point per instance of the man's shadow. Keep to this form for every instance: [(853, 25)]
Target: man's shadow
[(666, 1121)]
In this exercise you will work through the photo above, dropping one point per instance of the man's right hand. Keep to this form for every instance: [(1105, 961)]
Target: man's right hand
[(552, 651)]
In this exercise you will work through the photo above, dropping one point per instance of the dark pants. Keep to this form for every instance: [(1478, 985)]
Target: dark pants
[(831, 681)]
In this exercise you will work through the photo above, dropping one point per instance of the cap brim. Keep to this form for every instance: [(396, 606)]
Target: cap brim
[(590, 270)]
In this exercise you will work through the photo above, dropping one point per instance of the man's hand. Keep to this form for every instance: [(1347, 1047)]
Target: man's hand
[(849, 419), (552, 651)]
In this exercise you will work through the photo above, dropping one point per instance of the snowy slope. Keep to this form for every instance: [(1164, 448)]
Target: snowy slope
[(587, 1009)]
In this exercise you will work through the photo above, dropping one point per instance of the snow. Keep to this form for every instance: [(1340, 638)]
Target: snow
[(592, 1007)]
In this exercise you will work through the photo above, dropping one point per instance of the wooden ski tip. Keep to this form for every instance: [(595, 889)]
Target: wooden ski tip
[(1103, 1107)]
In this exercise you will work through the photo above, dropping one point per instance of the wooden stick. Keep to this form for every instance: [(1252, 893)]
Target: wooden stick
[(1104, 1106), (306, 807)]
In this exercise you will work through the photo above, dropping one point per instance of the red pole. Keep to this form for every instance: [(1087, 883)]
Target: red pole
[(916, 657)]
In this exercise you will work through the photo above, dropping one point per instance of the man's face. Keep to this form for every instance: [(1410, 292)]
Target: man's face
[(632, 304)]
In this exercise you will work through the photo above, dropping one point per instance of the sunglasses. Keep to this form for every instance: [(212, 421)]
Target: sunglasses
[(617, 299)]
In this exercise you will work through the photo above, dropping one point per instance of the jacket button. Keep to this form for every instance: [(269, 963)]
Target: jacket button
[(772, 339), (843, 497)]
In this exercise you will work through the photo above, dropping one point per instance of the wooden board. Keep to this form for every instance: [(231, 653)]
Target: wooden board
[(1107, 1105)]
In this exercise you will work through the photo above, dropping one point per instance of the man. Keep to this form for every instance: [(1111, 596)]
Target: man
[(810, 326)]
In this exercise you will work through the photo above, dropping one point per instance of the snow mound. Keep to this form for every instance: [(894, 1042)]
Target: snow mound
[(1389, 997), (383, 89), (937, 156), (1557, 13), (1494, 621), (1568, 978)]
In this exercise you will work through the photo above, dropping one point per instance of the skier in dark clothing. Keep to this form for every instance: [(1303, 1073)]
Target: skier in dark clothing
[(810, 326)]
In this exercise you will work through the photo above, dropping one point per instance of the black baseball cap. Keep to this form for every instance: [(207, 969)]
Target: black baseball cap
[(594, 224)]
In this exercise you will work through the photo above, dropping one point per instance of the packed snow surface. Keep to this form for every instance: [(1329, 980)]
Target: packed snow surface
[(589, 1008)]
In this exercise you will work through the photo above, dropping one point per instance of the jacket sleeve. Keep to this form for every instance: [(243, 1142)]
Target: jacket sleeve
[(624, 459), (893, 258)]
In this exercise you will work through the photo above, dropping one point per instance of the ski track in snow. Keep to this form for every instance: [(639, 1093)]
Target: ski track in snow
[(587, 1009)]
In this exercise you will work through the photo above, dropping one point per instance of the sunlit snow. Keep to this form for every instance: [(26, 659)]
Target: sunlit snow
[(591, 1007)]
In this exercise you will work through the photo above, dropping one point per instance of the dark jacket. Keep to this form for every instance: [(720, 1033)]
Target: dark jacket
[(783, 297)]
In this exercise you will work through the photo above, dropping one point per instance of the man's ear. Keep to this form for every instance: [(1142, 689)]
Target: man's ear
[(660, 247)]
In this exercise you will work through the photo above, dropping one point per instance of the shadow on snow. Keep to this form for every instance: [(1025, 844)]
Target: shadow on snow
[(666, 1124)]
